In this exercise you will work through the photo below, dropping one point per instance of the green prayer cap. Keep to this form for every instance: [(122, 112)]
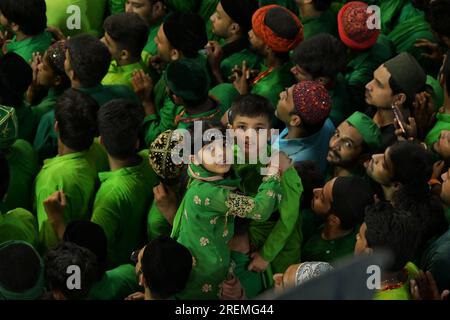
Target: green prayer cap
[(367, 128), (187, 79), (32, 293), (8, 127), (407, 73)]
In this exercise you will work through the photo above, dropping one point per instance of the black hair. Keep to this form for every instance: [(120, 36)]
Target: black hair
[(20, 267), (321, 55), (30, 15), (15, 77), (392, 229), (437, 14), (311, 177), (91, 236), (252, 106), (4, 175), (166, 267), (129, 32), (57, 263), (322, 5), (76, 113), (396, 89), (119, 124), (89, 59)]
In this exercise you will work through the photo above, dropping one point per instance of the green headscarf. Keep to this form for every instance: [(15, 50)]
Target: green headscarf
[(367, 129), (31, 293), (8, 127)]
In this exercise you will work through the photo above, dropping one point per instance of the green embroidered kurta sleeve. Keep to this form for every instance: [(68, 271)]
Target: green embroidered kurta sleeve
[(289, 209)]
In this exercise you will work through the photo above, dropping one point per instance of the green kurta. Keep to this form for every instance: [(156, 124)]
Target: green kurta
[(205, 223), (325, 23), (318, 249), (18, 224), (341, 108), (120, 208), (116, 284), (47, 104), (122, 75), (72, 174), (27, 122), (25, 48), (151, 48), (183, 5), (402, 293), (184, 120), (97, 156), (157, 224), (23, 167), (91, 16), (361, 67), (252, 282), (236, 59), (443, 123)]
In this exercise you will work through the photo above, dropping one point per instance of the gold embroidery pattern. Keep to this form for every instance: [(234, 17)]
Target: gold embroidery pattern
[(204, 241), (206, 288), (197, 200), (238, 205)]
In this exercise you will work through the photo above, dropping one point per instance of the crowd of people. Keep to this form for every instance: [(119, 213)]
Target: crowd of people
[(95, 101)]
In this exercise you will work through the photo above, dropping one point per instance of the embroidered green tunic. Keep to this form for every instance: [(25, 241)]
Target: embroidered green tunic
[(205, 223)]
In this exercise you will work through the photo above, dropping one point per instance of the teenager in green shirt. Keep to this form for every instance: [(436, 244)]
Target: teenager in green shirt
[(317, 17), (27, 21), (386, 228), (342, 201), (125, 36), (76, 115), (231, 22)]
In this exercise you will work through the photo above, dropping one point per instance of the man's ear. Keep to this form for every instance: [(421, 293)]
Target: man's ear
[(396, 186), (234, 28), (14, 27), (125, 55), (399, 99), (175, 55), (295, 120), (158, 9), (295, 70)]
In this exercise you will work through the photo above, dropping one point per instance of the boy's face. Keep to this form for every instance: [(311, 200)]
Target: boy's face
[(112, 47), (345, 146), (142, 7), (247, 129), (163, 45), (378, 91), (323, 198), (45, 74), (361, 246), (442, 146), (213, 157), (285, 106), (221, 22), (380, 168)]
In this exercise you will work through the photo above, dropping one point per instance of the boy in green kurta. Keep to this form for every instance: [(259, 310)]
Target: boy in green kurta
[(231, 22), (21, 163), (367, 49), (73, 17), (342, 201), (317, 17), (27, 20), (173, 44), (386, 228), (272, 40), (125, 193), (205, 219), (76, 115), (125, 36)]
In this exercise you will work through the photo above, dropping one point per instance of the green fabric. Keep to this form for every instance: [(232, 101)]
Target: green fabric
[(151, 49), (325, 23), (157, 224), (73, 174), (207, 8), (187, 120), (368, 129), (19, 224), (116, 284), (275, 82), (437, 92), (27, 122), (97, 156), (121, 206), (47, 104), (236, 59), (25, 48), (182, 5), (311, 223), (225, 93), (122, 75), (361, 66), (9, 126), (402, 293), (318, 249), (91, 15), (116, 6), (204, 223), (252, 282), (443, 123), (341, 107), (23, 167), (105, 93), (390, 11)]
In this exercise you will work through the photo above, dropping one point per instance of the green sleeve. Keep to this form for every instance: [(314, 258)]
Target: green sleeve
[(289, 213), (154, 125), (156, 223), (107, 215)]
